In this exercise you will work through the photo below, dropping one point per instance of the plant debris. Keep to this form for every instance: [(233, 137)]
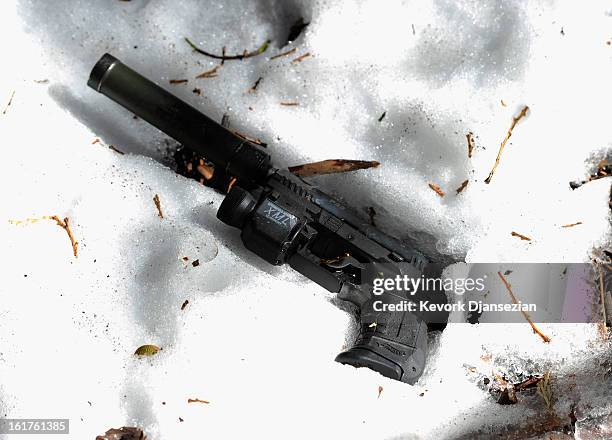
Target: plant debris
[(301, 58), (437, 189), (571, 225), (10, 101), (198, 401), (380, 390), (462, 186), (604, 169), (503, 144), (255, 85), (470, 142), (212, 73), (250, 139), (195, 263), (261, 49), (147, 350), (505, 392), (116, 150), (331, 166), (197, 91), (124, 433), (289, 104), (158, 206), (545, 391), (382, 117), (178, 81), (64, 224), (525, 314), (184, 304), (284, 54), (521, 236)]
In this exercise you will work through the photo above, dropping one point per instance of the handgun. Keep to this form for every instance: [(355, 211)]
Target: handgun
[(286, 220)]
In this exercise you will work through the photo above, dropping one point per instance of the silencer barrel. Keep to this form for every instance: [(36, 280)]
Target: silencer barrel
[(179, 120)]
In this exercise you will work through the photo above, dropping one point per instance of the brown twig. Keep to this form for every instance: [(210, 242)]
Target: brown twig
[(254, 86), (116, 150), (9, 103), (158, 206), (503, 144), (261, 49), (525, 314), (470, 142), (437, 189), (290, 104), (65, 225), (521, 236), (571, 225), (301, 58), (184, 304), (212, 73), (462, 186), (178, 81), (250, 139), (197, 401), (289, 52)]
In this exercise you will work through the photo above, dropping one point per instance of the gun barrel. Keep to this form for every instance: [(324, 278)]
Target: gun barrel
[(179, 120)]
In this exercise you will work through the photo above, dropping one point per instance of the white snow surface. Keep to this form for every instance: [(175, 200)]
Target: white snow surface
[(258, 342)]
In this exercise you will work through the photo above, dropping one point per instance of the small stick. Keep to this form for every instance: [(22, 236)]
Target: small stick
[(290, 104), (521, 236), (197, 401), (158, 206), (437, 189), (525, 314), (254, 87), (212, 73), (261, 49), (301, 58), (9, 103), (184, 304), (231, 183), (503, 144), (115, 149), (462, 186), (470, 142), (289, 52), (64, 224), (178, 81), (250, 139), (382, 116), (571, 225)]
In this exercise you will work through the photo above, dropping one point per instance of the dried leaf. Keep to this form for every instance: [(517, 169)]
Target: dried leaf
[(331, 166), (124, 433), (147, 350), (545, 391)]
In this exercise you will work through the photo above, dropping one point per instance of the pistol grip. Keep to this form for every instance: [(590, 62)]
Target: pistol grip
[(393, 344)]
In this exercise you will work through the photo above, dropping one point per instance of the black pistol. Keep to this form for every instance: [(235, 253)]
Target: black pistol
[(284, 219)]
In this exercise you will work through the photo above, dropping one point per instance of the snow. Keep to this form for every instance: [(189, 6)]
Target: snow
[(258, 342)]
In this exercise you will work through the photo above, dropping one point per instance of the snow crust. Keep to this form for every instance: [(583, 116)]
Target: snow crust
[(258, 342)]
